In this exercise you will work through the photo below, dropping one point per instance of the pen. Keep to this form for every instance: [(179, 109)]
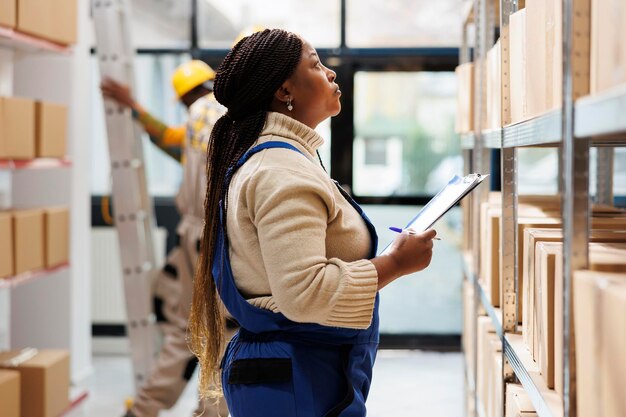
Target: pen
[(398, 230)]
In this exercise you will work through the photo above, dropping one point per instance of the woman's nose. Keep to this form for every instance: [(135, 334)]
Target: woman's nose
[(331, 75)]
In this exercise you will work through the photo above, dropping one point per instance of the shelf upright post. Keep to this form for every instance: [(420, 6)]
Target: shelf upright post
[(508, 220), (605, 159), (574, 180)]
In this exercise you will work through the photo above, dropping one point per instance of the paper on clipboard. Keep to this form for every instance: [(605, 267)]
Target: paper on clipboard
[(452, 193)]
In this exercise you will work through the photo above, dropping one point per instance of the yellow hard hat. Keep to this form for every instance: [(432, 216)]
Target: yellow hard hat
[(190, 75), (247, 32)]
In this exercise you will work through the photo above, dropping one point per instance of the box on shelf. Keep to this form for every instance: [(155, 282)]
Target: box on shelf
[(9, 393), (45, 380), (485, 332), (518, 403), (517, 40), (603, 257), (600, 298), (51, 130), (56, 221), (536, 87), (56, 21), (495, 400), (534, 236), (8, 13), (554, 54), (469, 327), (608, 49), (465, 98), (28, 244), (17, 128), (494, 87), (6, 245)]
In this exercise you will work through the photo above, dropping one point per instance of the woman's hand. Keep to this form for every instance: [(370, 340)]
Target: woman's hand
[(120, 93), (410, 252)]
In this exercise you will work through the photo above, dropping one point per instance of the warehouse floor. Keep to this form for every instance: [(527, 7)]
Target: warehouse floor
[(406, 384)]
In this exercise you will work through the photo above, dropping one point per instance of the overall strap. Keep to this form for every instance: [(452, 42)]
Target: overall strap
[(258, 148)]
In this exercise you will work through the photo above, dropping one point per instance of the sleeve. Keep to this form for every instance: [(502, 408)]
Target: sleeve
[(168, 139), (291, 212)]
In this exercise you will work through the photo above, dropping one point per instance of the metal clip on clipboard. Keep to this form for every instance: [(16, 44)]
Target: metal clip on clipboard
[(448, 197)]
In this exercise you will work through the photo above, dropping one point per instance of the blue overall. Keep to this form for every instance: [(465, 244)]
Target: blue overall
[(279, 368)]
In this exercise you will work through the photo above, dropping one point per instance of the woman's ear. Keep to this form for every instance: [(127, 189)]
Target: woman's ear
[(283, 94)]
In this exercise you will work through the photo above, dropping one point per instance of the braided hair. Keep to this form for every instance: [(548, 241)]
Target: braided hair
[(245, 84)]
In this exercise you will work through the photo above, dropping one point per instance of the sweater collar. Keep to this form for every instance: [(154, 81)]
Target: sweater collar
[(278, 124)]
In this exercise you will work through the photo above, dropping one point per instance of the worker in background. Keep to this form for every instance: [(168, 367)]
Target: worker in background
[(193, 84)]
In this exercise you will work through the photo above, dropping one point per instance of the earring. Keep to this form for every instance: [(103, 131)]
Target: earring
[(289, 106)]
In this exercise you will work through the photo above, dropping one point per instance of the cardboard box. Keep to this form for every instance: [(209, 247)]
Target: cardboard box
[(603, 257), (6, 245), (534, 236), (56, 221), (51, 130), (17, 128), (518, 403), (28, 246), (601, 299), (495, 400), (9, 393), (53, 20), (554, 54), (485, 333), (536, 87), (608, 52), (465, 98), (8, 13), (469, 327), (45, 380), (494, 87), (517, 40), (545, 270)]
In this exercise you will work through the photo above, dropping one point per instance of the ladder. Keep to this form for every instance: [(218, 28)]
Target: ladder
[(133, 210)]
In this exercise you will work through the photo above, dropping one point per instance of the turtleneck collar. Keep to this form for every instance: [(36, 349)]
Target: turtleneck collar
[(279, 124)]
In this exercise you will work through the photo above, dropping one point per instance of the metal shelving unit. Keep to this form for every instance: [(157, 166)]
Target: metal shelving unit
[(30, 276), (580, 122), (541, 130), (39, 163), (18, 41), (602, 116)]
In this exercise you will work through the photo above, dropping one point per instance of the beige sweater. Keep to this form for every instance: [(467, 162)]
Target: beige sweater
[(296, 245)]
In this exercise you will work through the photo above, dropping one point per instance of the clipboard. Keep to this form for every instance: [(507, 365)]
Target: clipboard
[(440, 204)]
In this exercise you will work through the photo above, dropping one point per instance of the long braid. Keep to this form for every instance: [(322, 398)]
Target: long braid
[(245, 83)]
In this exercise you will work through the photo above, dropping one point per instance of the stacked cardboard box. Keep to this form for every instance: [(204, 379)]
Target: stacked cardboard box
[(465, 98), (53, 20), (8, 13), (518, 403), (489, 368), (44, 376), (517, 70), (30, 129), (469, 326), (600, 320), (33, 239), (17, 128), (608, 49), (494, 87), (9, 393)]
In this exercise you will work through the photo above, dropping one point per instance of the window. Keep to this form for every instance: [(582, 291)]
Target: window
[(221, 22), (404, 133), (161, 23), (403, 23)]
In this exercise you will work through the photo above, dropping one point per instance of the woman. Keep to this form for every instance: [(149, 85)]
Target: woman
[(290, 254)]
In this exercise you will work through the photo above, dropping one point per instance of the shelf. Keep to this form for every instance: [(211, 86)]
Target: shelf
[(494, 313), (12, 39), (467, 141), (546, 401), (602, 115), (38, 163), (492, 138), (540, 130), (77, 397), (26, 277)]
